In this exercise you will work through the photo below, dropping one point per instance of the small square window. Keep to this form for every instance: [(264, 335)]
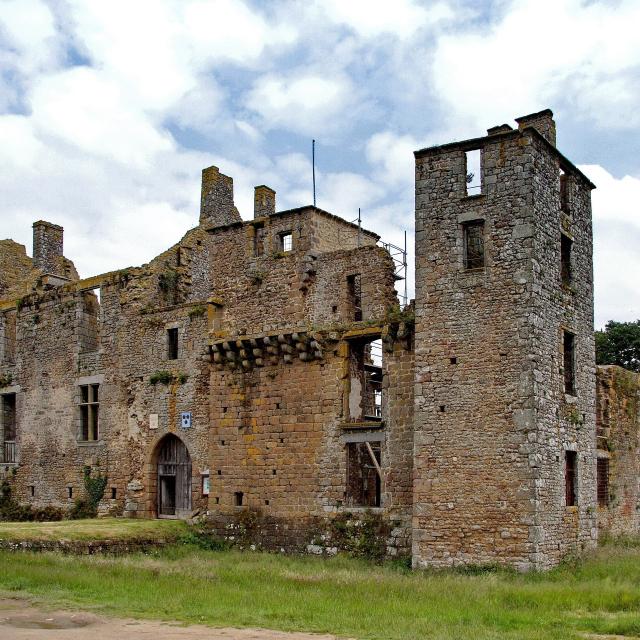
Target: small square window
[(286, 241), (474, 245)]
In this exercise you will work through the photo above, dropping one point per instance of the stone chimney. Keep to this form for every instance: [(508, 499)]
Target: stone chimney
[(542, 121), (47, 246), (216, 199), (264, 201)]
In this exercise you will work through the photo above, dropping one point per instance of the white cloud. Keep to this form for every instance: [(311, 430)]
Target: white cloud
[(19, 145), (392, 158), (84, 109), (305, 104), (616, 223), (487, 76), (370, 18)]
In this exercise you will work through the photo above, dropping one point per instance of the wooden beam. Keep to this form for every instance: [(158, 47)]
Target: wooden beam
[(374, 460)]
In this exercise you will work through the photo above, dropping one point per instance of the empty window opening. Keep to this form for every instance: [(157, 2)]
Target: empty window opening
[(89, 409), (286, 241), (565, 259), (206, 484), (354, 297), (114, 493), (474, 245), (215, 316), (9, 427), (219, 472), (69, 492), (258, 241), (453, 360), (570, 477), (32, 490), (569, 362), (89, 321), (473, 172), (217, 500), (172, 344), (364, 474), (564, 188), (273, 472), (442, 408), (8, 335), (603, 482), (365, 381), (266, 502), (238, 497)]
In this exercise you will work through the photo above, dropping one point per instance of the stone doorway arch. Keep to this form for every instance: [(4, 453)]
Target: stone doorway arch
[(173, 474)]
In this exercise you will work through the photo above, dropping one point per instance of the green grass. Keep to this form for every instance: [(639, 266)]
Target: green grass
[(96, 529), (340, 595)]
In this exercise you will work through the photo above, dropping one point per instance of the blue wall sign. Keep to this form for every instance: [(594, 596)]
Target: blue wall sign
[(185, 419)]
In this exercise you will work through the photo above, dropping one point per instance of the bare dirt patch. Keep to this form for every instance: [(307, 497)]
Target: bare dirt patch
[(22, 620)]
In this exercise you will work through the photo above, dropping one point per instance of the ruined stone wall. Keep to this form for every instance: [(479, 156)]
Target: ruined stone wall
[(331, 234), (618, 441), (490, 436), (16, 268), (564, 421)]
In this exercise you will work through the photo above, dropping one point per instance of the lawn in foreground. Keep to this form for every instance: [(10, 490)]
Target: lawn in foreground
[(95, 530), (340, 595)]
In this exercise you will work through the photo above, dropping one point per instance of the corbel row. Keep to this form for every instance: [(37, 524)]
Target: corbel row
[(245, 353)]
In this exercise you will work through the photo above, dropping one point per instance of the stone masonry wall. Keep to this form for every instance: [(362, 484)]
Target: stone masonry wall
[(618, 433), (491, 423)]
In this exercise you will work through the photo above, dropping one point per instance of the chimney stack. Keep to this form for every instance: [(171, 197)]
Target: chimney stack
[(264, 201), (47, 246), (216, 199), (543, 122)]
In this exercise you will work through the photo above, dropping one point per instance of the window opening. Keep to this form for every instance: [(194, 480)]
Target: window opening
[(32, 490), (474, 245), (564, 200), (9, 342), (206, 484), (89, 409), (565, 259), (603, 482), (354, 295), (172, 344), (365, 381), (258, 241), (286, 241), (569, 362), (70, 492), (238, 497), (473, 172), (9, 427), (571, 458), (114, 493), (364, 474), (89, 323)]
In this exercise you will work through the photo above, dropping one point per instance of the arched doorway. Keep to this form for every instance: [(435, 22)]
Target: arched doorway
[(174, 478)]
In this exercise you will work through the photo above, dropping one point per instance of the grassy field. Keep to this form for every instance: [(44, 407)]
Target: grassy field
[(95, 530), (339, 595)]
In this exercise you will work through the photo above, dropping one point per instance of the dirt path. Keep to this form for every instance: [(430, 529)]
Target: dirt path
[(21, 620)]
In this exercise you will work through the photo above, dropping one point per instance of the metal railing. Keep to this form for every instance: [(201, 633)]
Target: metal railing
[(9, 452)]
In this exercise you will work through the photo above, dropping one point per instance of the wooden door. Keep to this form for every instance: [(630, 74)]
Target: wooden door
[(174, 479)]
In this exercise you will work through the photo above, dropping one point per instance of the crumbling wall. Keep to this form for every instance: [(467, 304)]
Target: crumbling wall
[(618, 441)]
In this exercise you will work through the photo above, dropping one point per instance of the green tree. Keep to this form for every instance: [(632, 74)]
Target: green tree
[(619, 344)]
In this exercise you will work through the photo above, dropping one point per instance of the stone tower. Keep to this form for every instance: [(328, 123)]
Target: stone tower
[(504, 449)]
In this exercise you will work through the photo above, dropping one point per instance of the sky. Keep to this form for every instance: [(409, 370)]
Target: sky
[(110, 110)]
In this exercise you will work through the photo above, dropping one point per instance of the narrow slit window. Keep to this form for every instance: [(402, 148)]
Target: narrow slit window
[(566, 245), (89, 412), (172, 344), (238, 498), (570, 477), (603, 482), (258, 241), (474, 245), (363, 474), (286, 241), (9, 428), (569, 362), (354, 296), (564, 188), (206, 484), (473, 172)]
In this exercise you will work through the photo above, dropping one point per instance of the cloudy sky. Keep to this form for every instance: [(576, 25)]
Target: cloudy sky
[(109, 111)]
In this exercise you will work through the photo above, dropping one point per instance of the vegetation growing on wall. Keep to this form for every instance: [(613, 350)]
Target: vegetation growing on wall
[(87, 506)]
